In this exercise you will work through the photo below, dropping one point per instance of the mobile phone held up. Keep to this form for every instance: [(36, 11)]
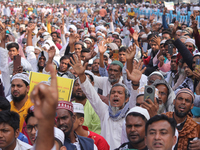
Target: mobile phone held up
[(149, 92)]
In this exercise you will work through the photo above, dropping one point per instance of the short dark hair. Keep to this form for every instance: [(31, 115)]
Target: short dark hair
[(4, 103), (11, 118), (64, 57), (55, 33), (135, 114), (85, 50), (94, 38), (79, 115), (122, 49), (13, 44), (167, 32), (150, 36), (30, 114), (169, 42), (118, 39), (157, 118)]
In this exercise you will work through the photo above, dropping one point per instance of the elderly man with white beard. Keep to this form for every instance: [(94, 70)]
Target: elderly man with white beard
[(112, 116), (165, 96)]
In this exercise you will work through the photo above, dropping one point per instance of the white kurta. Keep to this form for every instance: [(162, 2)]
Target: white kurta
[(110, 130)]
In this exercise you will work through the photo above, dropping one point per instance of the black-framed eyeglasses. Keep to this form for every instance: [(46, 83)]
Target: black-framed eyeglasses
[(29, 128)]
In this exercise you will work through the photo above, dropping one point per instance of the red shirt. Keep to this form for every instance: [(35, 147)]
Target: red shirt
[(99, 141)]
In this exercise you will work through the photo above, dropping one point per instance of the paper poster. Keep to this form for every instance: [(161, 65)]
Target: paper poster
[(169, 5), (65, 85)]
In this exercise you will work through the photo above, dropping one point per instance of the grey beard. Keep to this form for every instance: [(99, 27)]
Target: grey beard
[(180, 70), (115, 110), (161, 108), (112, 80)]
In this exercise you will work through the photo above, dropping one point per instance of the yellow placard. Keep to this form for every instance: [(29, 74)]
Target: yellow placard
[(65, 85)]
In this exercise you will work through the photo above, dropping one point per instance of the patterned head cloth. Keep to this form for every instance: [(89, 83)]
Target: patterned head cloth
[(65, 105)]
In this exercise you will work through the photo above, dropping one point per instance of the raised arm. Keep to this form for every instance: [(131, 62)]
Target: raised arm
[(87, 87), (45, 99)]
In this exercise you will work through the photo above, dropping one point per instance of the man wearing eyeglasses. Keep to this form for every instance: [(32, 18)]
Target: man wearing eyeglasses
[(31, 125)]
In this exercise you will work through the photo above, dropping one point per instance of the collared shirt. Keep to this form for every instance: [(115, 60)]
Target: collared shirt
[(22, 112)]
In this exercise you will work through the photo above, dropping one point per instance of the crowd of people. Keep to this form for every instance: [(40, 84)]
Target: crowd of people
[(114, 55)]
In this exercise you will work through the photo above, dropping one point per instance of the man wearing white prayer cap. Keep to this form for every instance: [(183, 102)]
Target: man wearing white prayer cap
[(21, 102), (190, 44), (133, 129), (59, 139), (99, 141)]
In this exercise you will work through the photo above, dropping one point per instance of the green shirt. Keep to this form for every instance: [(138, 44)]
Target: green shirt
[(91, 119)]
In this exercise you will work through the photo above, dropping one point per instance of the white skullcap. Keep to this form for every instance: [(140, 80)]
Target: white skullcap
[(106, 54), (156, 73), (36, 47), (92, 26), (45, 33), (23, 26), (139, 110), (103, 35), (196, 8), (21, 76), (99, 32), (159, 22), (46, 46), (78, 108), (163, 42), (115, 33), (88, 39), (59, 134), (190, 41)]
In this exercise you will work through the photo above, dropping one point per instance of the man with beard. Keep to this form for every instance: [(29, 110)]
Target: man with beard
[(172, 75), (165, 96), (91, 119), (189, 80), (95, 67), (65, 120), (136, 119), (187, 128), (112, 116), (20, 100)]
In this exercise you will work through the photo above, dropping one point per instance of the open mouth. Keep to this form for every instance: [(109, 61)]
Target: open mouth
[(157, 144), (182, 108)]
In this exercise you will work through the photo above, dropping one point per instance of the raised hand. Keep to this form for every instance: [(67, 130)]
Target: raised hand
[(164, 11), (31, 28), (130, 52), (45, 98), (77, 66), (161, 58), (2, 31), (135, 36), (157, 40), (62, 29), (175, 29), (136, 73), (51, 52), (73, 38), (90, 55), (102, 47)]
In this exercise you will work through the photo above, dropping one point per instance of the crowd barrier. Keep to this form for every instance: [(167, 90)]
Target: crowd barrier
[(169, 16)]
